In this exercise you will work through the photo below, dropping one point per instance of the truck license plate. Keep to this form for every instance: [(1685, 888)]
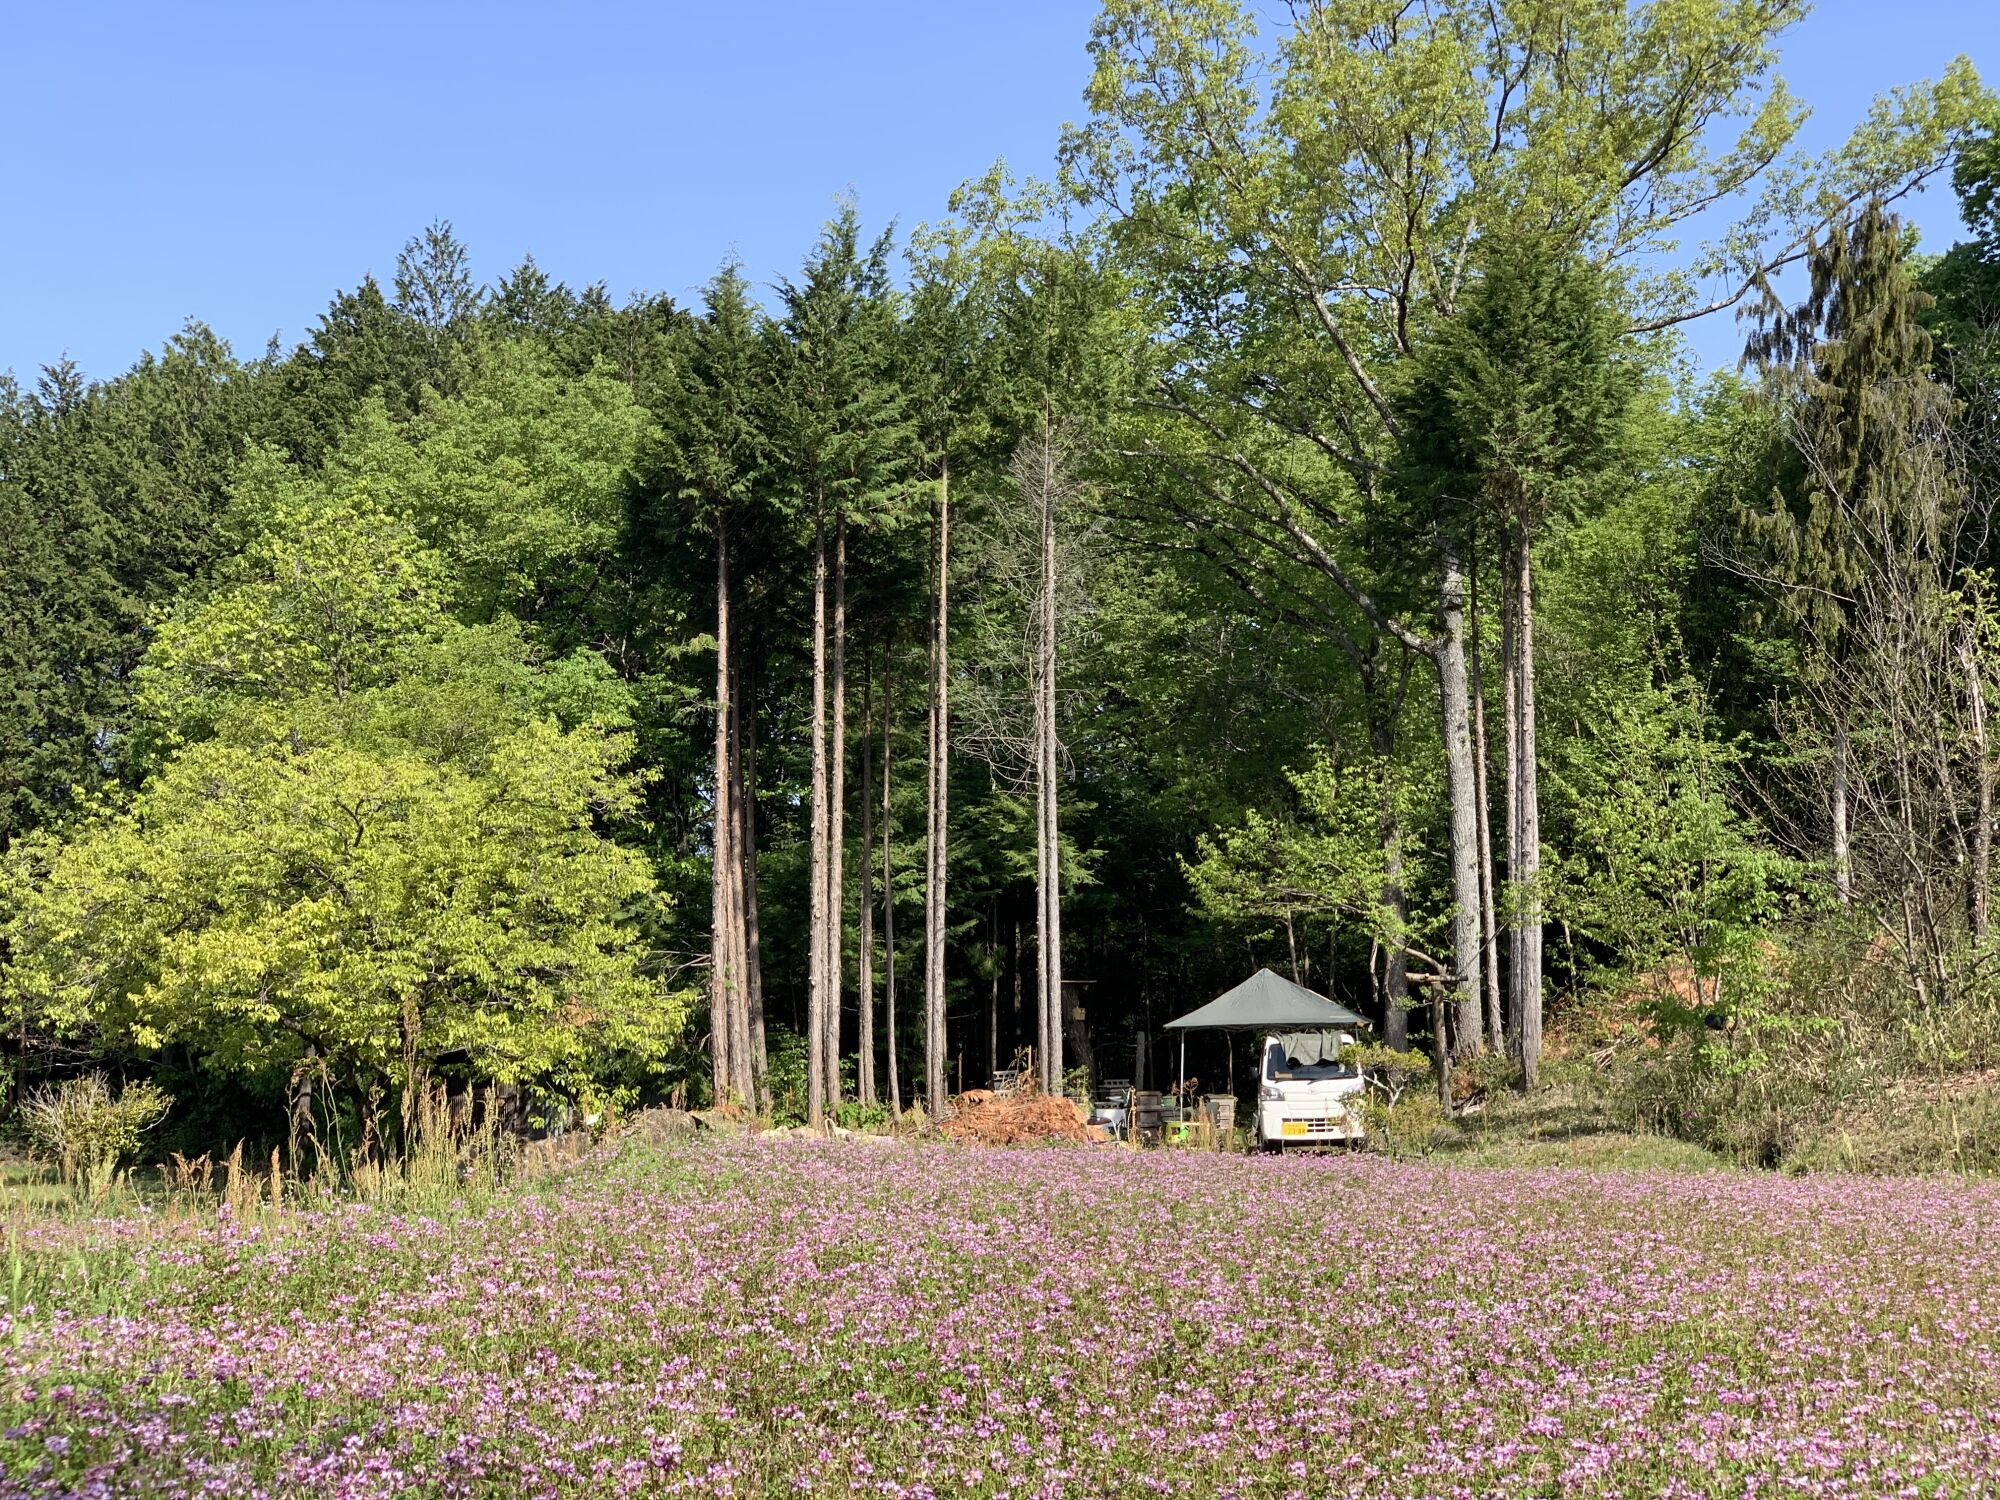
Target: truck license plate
[(1291, 1127)]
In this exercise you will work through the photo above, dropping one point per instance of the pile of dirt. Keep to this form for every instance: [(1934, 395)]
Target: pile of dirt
[(989, 1119)]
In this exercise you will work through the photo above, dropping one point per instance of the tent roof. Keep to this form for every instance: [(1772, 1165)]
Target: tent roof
[(1267, 1002)]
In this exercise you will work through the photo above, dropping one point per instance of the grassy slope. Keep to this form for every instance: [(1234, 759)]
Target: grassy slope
[(1560, 1127)]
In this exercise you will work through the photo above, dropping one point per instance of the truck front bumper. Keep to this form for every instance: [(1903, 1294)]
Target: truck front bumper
[(1292, 1125)]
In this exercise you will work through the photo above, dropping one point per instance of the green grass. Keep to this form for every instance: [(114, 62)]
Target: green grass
[(1566, 1127), (29, 1185)]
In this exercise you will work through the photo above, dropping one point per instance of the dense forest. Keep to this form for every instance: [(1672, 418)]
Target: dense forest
[(1293, 537)]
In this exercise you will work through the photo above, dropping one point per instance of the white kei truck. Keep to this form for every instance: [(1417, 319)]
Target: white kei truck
[(1306, 1096)]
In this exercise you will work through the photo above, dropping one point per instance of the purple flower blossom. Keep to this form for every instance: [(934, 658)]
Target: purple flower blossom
[(753, 1318)]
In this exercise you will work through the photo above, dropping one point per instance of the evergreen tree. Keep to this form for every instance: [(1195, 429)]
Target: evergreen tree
[(114, 495), (1514, 412), (841, 436), (1849, 368), (716, 456)]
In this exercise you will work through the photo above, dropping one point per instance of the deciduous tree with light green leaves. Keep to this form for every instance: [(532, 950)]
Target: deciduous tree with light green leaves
[(519, 481), (373, 833), (1299, 210), (1327, 862), (1664, 872)]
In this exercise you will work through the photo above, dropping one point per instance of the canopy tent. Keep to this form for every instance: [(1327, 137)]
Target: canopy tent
[(1264, 1002), (1268, 1002)]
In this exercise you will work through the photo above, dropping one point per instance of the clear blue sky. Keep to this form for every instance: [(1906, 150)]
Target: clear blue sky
[(238, 163)]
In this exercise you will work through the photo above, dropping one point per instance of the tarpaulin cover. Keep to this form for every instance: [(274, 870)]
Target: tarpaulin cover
[(1268, 1002)]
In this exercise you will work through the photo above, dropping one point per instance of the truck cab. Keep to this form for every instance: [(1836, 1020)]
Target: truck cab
[(1306, 1094)]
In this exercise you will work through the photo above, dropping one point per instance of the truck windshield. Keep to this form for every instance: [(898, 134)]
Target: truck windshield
[(1282, 1068)]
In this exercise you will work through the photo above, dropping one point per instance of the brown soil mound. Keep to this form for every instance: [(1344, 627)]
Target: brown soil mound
[(989, 1120)]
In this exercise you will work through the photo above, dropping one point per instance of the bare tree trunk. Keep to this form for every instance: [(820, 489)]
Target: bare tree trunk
[(889, 890), (864, 958), (1047, 773), (745, 706), (742, 1057), (1395, 980), (1528, 935), (1843, 858), (1440, 1046), (816, 982), (1490, 941), (1045, 1015), (935, 843), (723, 978), (1037, 736), (1510, 710), (1979, 898), (1463, 793), (1051, 944), (836, 857), (1014, 964), (993, 990)]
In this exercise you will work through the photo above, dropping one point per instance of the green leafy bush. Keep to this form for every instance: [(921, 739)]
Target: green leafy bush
[(1817, 1060), (854, 1115), (1389, 1073), (1415, 1125), (86, 1129)]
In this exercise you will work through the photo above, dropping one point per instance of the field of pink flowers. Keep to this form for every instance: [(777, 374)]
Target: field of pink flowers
[(763, 1318)]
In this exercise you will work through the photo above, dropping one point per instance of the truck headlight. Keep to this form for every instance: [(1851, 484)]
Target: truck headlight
[(1270, 1093)]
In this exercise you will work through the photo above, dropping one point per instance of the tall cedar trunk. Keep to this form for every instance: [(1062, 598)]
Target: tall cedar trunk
[(1395, 990), (1045, 1045), (744, 1059), (1463, 794), (1843, 859), (1980, 896), (1510, 711), (816, 975), (729, 1015), (864, 906), (935, 841), (743, 702), (836, 855), (993, 995), (745, 1045), (1528, 937), (1050, 927), (722, 915), (889, 891), (1489, 933)]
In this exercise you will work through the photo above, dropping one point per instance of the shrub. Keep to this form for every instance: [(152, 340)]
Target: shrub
[(1824, 1059), (1484, 1075), (785, 1073), (851, 1114), (1413, 1126), (1388, 1071), (84, 1128)]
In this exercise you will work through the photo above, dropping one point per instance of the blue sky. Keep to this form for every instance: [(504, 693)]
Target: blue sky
[(238, 163)]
